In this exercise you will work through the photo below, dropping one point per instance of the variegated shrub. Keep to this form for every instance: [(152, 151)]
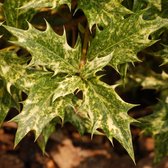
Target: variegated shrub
[(54, 74)]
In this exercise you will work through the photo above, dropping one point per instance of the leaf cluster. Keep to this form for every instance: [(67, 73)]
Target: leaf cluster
[(63, 80)]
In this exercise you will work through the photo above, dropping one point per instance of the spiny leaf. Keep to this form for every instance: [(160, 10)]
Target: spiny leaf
[(139, 5), (51, 94), (12, 68), (7, 100), (38, 108), (14, 16), (67, 86), (125, 38), (77, 119), (164, 10), (48, 49), (161, 146), (156, 3), (91, 67), (15, 72), (156, 125), (150, 79), (32, 4), (105, 110), (46, 133), (163, 54), (103, 12)]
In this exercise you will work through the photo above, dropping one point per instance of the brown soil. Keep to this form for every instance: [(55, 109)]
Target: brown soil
[(67, 149)]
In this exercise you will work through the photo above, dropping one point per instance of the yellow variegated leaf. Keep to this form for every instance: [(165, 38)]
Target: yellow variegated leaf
[(48, 49), (105, 110), (32, 4), (125, 38), (103, 12)]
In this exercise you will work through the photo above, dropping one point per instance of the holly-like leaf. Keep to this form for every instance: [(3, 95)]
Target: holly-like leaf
[(38, 108), (103, 12), (7, 100), (161, 146), (48, 49), (106, 111), (15, 71), (164, 10), (46, 133), (14, 16), (139, 5), (91, 67), (67, 86), (160, 53), (156, 3), (59, 88), (73, 116), (32, 4), (156, 125), (12, 67), (10, 72), (151, 80), (163, 53), (53, 93), (125, 38)]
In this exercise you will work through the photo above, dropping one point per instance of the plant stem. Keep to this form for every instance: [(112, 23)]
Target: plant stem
[(84, 47)]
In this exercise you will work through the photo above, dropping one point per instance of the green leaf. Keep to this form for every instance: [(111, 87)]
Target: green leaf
[(14, 16), (105, 110), (7, 100), (12, 68), (161, 146), (38, 108), (76, 119), (154, 8), (91, 67), (44, 3), (47, 131), (164, 10), (125, 38), (48, 49), (163, 54), (156, 3), (103, 12), (151, 80), (67, 86), (52, 94), (139, 5), (15, 71), (156, 124)]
